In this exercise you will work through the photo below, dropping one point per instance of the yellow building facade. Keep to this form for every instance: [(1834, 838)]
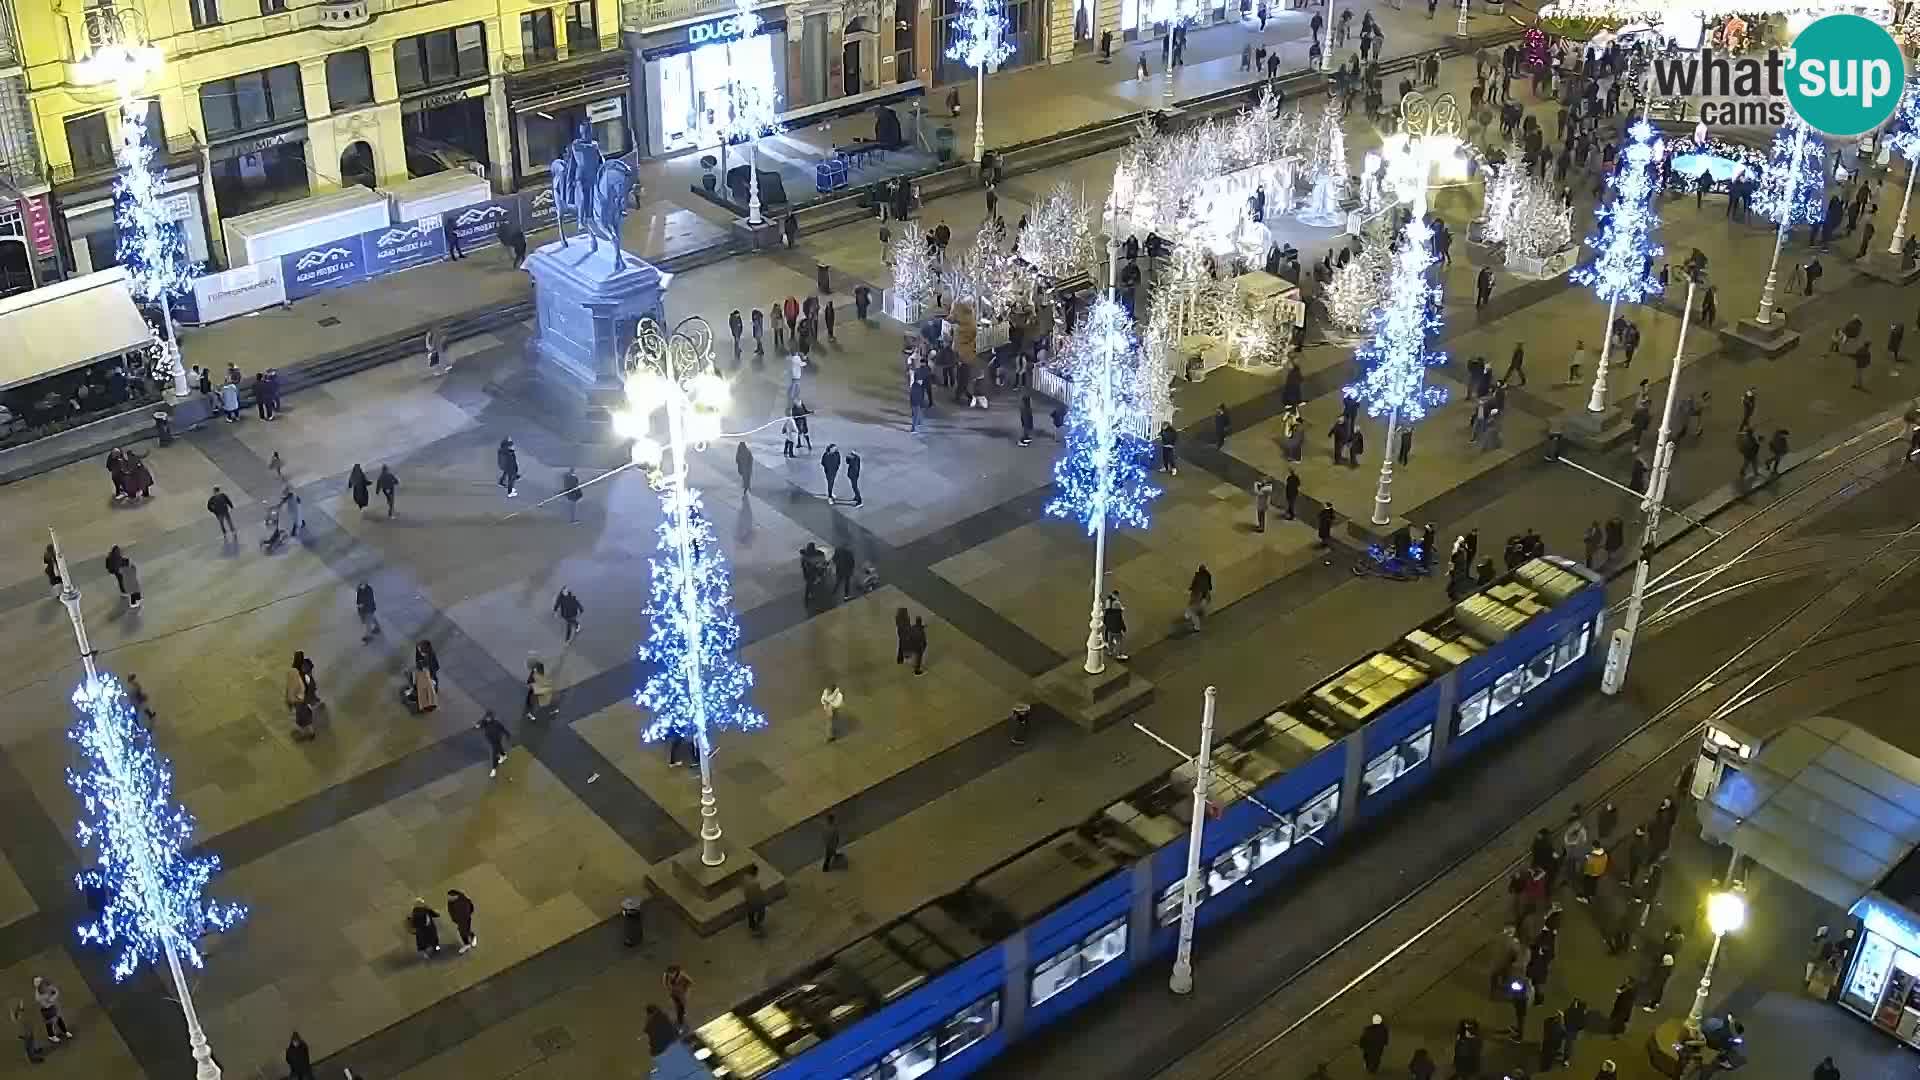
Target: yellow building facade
[(261, 102)]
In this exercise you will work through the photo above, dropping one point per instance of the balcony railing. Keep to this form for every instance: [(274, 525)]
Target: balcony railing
[(107, 27), (581, 51), (9, 37)]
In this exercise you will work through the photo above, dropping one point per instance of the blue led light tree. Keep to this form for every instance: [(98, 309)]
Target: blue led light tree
[(155, 893), (695, 682), (1623, 245), (752, 105), (149, 243), (1792, 192), (1904, 139), (1102, 477), (1395, 360), (980, 42)]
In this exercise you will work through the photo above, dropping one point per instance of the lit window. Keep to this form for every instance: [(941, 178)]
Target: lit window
[(1538, 670), (1167, 911), (1228, 869), (1272, 842), (1474, 712), (1506, 691), (969, 1026), (1572, 647), (1103, 946), (917, 1058), (1403, 757), (1317, 813), (1056, 974)]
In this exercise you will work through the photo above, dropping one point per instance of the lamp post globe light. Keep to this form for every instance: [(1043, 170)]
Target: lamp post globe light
[(155, 907), (696, 684), (980, 42), (752, 106), (1904, 140), (1726, 913)]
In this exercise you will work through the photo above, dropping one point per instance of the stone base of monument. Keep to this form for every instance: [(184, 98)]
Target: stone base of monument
[(1771, 338), (710, 898), (587, 308), (750, 237), (1884, 267)]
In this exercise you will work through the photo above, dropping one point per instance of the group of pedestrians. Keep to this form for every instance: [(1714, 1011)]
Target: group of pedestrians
[(423, 923)]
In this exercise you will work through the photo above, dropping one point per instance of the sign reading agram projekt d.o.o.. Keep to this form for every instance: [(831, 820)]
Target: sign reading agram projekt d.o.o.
[(1845, 75)]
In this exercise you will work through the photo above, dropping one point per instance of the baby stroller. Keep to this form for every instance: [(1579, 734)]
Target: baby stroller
[(274, 537)]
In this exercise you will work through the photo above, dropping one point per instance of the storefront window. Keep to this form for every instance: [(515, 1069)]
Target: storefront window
[(694, 88), (257, 100), (1572, 647), (89, 143), (1023, 33), (1473, 712), (440, 57), (969, 1026), (905, 18), (349, 79)]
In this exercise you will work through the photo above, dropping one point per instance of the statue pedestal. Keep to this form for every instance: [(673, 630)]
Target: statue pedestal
[(587, 311)]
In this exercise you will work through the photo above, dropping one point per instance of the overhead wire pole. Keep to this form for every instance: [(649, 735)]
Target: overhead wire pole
[(1620, 645), (1181, 981), (145, 875)]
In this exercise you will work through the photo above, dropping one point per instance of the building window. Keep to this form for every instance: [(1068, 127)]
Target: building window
[(205, 13), (904, 16), (536, 36), (443, 56), (273, 7), (349, 79), (247, 102), (583, 29), (1023, 33), (89, 143)]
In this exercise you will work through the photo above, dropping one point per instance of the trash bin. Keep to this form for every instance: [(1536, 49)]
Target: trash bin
[(1022, 721), (820, 278), (633, 929), (163, 426)]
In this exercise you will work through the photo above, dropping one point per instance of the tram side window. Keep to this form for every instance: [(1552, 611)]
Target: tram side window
[(1167, 911), (1506, 691), (969, 1026), (1572, 647), (1396, 761), (1055, 974), (917, 1058), (1473, 712), (1538, 670), (1103, 946), (1316, 813)]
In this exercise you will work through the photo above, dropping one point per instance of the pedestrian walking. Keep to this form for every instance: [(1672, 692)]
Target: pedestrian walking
[(1657, 982), (299, 1059), (759, 324), (425, 924), (830, 464), (568, 607), (220, 505), (830, 856), (1292, 492), (853, 476), (508, 461), (359, 486), (917, 644), (230, 400), (1199, 595), (298, 703), (756, 900), (1896, 335), (435, 343), (1749, 399), (1516, 366), (1262, 496), (1749, 446), (47, 996), (387, 484), (1591, 540), (1373, 1043), (1222, 423), (1168, 439), (1862, 358), (1421, 1066), (1113, 625), (1776, 451), (831, 699), (130, 583), (1405, 449), (1026, 419), (826, 315), (460, 910), (1483, 288), (1553, 1041), (364, 606), (743, 464), (843, 564), (496, 735), (798, 412), (570, 491)]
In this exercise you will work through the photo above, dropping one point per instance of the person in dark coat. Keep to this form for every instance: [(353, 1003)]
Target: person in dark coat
[(843, 563), (1624, 999), (826, 316), (661, 1034), (1553, 1041), (737, 327), (1574, 1021), (299, 1059), (1421, 1066), (917, 644), (426, 930), (830, 464), (460, 910), (743, 464), (1468, 1047), (1222, 424), (1291, 489), (387, 484), (1373, 1042), (509, 462), (853, 476)]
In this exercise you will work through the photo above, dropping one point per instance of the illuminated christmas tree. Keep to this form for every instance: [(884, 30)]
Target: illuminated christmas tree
[(1396, 358), (1793, 185), (916, 275), (1058, 239), (1541, 222), (1327, 164), (149, 243)]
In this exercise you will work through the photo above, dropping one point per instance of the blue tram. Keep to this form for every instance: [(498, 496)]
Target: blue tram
[(939, 992)]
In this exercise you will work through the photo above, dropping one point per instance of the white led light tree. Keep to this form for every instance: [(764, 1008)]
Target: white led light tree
[(149, 243), (1497, 202), (1792, 188), (155, 906), (1102, 478), (1395, 360), (696, 684), (1541, 222), (1904, 140), (1058, 239), (980, 42), (1327, 164), (1623, 245), (753, 109), (1358, 287), (916, 275)]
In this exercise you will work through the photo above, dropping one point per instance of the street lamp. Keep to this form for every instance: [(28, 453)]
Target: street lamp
[(1620, 646), (752, 108), (1181, 981), (1789, 195), (697, 684), (1460, 26), (1904, 140), (980, 42), (1726, 913), (141, 837)]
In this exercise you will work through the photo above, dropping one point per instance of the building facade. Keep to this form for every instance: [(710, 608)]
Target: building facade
[(263, 102)]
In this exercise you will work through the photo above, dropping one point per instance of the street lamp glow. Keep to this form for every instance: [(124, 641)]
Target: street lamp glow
[(980, 42), (1726, 912)]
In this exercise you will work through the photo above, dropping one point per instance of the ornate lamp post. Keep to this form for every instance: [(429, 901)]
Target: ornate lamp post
[(1623, 245), (1905, 141), (980, 42), (697, 684), (1726, 913), (1789, 195), (751, 107)]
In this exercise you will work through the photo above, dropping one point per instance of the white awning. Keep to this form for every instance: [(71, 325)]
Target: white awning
[(66, 325), (1824, 805)]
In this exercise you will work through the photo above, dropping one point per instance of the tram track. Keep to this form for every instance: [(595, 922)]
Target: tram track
[(1675, 728)]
